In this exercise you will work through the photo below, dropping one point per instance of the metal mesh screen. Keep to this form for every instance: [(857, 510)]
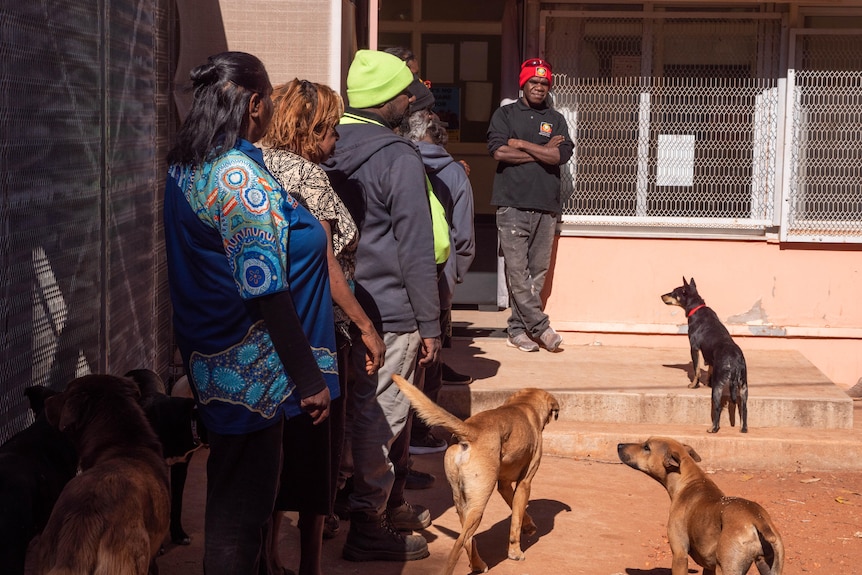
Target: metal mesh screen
[(825, 195), (674, 120), (130, 207), (80, 178), (52, 197)]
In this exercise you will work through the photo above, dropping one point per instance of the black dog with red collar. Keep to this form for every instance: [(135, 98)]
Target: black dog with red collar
[(707, 336)]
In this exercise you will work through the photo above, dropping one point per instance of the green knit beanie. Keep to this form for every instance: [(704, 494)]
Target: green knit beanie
[(375, 78)]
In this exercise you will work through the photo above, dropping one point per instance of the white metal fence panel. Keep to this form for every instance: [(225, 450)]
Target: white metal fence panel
[(675, 117), (671, 151), (823, 191)]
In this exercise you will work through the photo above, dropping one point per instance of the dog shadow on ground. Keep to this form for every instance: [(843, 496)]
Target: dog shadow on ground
[(493, 542), (686, 367)]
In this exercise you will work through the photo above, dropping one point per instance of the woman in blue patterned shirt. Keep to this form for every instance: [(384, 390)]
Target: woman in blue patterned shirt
[(252, 307)]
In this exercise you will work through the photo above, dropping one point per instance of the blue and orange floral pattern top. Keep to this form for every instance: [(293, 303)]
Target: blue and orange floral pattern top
[(233, 234)]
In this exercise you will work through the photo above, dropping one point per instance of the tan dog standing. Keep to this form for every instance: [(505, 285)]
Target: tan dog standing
[(500, 448), (722, 532)]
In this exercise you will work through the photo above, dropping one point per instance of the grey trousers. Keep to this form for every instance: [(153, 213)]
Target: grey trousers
[(526, 240), (379, 416)]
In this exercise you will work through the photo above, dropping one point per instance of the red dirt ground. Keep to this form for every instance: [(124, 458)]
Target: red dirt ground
[(596, 519)]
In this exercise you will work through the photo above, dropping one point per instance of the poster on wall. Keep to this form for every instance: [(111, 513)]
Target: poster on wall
[(447, 105), (474, 61), (440, 63)]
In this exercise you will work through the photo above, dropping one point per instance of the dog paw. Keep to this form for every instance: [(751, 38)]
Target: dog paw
[(529, 528), (694, 385), (712, 430), (516, 556)]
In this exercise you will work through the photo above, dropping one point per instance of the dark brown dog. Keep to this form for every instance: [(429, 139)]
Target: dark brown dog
[(729, 533), (113, 517), (35, 465), (500, 448), (180, 431)]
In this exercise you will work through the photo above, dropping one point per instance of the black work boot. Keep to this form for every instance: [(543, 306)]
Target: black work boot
[(372, 537), (408, 517)]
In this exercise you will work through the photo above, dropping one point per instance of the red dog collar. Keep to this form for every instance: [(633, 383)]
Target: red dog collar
[(691, 313)]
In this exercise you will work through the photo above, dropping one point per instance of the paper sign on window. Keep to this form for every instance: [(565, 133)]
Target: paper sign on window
[(675, 160)]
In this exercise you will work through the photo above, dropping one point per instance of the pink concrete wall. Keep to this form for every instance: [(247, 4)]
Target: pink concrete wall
[(769, 296)]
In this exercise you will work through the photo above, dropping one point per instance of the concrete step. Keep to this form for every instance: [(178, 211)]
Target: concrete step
[(798, 419), (772, 448), (658, 407), (646, 385)]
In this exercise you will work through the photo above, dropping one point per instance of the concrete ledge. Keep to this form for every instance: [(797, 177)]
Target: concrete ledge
[(643, 385), (778, 449), (798, 419), (692, 408)]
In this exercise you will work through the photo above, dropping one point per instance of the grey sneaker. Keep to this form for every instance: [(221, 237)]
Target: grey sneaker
[(550, 339), (523, 342)]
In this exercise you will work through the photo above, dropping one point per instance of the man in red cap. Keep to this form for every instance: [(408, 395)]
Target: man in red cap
[(530, 140)]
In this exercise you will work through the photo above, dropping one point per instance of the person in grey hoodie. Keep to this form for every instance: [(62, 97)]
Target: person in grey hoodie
[(381, 179), (452, 187)]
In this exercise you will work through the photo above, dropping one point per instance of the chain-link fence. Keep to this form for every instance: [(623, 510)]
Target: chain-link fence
[(677, 121), (824, 190), (671, 151)]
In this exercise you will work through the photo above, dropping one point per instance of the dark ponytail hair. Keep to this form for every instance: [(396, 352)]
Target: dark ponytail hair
[(222, 88)]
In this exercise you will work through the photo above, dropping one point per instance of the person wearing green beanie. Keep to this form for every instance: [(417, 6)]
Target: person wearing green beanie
[(381, 179), (375, 78)]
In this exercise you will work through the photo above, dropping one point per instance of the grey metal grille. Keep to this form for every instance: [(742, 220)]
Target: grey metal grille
[(80, 182), (674, 117), (824, 198)]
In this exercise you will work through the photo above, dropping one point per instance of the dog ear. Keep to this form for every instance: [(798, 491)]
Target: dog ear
[(555, 409), (53, 408), (73, 410), (673, 455), (36, 395), (671, 460), (684, 283), (692, 452), (691, 284)]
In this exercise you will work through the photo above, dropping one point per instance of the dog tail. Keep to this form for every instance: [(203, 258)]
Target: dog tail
[(738, 381), (772, 562), (430, 412)]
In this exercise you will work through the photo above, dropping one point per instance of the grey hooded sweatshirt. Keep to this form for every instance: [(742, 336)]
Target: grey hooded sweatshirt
[(453, 189), (381, 179)]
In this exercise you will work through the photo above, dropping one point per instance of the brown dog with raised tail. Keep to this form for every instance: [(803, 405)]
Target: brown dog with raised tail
[(500, 448), (729, 533)]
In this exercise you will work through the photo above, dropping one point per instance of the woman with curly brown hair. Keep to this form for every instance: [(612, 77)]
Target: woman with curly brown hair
[(301, 135)]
